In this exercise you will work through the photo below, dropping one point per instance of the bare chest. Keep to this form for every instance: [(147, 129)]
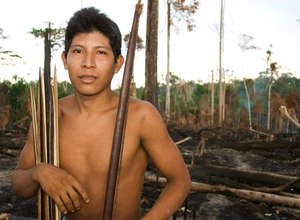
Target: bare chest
[(86, 145)]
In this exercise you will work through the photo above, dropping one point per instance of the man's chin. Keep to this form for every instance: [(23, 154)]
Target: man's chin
[(88, 93)]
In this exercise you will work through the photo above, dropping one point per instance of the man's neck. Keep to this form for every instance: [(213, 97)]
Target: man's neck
[(91, 105)]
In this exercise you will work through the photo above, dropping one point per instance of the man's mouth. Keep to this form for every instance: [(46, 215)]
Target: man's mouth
[(87, 79)]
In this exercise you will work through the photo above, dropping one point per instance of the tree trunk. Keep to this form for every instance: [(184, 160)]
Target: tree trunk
[(220, 68), (151, 53), (168, 65), (133, 88), (47, 61), (223, 98), (269, 105), (212, 99), (249, 106)]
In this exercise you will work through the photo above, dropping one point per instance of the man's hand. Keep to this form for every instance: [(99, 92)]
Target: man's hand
[(63, 188)]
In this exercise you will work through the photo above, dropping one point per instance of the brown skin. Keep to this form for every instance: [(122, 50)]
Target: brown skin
[(86, 123)]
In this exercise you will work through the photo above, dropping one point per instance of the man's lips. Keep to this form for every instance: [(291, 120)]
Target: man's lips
[(87, 79)]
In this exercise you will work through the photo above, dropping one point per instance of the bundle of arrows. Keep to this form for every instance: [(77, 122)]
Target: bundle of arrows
[(44, 109)]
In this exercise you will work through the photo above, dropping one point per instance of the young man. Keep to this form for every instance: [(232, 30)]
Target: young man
[(92, 56)]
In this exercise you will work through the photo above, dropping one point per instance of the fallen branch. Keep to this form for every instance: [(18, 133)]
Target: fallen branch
[(260, 145), (183, 140), (278, 189), (249, 175), (284, 111), (290, 194), (294, 161), (260, 132), (242, 193)]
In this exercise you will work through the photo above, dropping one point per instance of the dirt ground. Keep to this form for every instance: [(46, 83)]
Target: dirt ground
[(229, 148)]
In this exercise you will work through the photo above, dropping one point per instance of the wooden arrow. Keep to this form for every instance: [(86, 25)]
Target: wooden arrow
[(121, 119)]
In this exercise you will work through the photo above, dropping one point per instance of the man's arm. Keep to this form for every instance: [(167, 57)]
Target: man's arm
[(57, 183), (23, 183), (168, 160)]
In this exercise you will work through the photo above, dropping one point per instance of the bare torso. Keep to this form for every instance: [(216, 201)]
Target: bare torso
[(85, 146)]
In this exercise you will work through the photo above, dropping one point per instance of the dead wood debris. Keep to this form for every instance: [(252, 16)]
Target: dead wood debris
[(247, 175), (242, 193)]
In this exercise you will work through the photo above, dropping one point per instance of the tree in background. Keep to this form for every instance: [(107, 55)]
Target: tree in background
[(212, 99), (272, 69), (258, 110), (4, 106), (53, 39), (139, 46), (286, 84), (189, 103), (293, 106), (243, 121), (181, 11), (244, 44), (232, 104), (18, 97), (14, 102), (221, 95), (276, 102), (64, 88), (248, 83), (150, 92)]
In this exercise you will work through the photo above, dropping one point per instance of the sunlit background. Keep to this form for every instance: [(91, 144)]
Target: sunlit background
[(267, 24)]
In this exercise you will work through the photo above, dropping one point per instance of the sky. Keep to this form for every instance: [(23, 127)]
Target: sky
[(272, 24)]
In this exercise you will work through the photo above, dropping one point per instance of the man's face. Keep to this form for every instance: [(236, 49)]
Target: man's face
[(90, 63)]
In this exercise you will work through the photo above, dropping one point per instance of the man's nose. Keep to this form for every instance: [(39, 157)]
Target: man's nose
[(89, 60)]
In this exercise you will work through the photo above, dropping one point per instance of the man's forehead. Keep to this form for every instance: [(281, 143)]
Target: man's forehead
[(94, 38)]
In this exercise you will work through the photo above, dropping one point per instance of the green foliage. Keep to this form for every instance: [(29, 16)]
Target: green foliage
[(64, 89), (140, 93), (186, 97), (18, 97), (18, 94), (199, 90), (286, 84)]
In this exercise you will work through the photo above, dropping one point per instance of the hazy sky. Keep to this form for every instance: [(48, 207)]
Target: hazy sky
[(193, 54)]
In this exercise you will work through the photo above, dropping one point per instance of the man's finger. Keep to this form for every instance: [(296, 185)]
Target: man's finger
[(67, 202), (74, 196), (81, 191), (60, 204)]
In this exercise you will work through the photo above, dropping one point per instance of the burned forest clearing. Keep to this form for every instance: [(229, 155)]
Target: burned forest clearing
[(235, 175)]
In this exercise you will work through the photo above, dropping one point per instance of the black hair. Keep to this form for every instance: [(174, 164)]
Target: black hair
[(90, 19)]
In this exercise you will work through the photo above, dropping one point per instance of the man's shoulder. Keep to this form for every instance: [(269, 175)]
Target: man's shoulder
[(65, 103), (141, 108), (141, 105)]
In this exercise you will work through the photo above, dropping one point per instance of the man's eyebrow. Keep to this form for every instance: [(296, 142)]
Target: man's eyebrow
[(105, 47), (79, 45)]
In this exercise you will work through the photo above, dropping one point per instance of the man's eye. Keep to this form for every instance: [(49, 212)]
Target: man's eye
[(76, 51), (102, 52)]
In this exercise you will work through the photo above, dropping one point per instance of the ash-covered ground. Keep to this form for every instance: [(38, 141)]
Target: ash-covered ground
[(207, 149)]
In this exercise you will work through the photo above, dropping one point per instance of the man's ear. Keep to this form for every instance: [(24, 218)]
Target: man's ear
[(119, 63), (64, 59)]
